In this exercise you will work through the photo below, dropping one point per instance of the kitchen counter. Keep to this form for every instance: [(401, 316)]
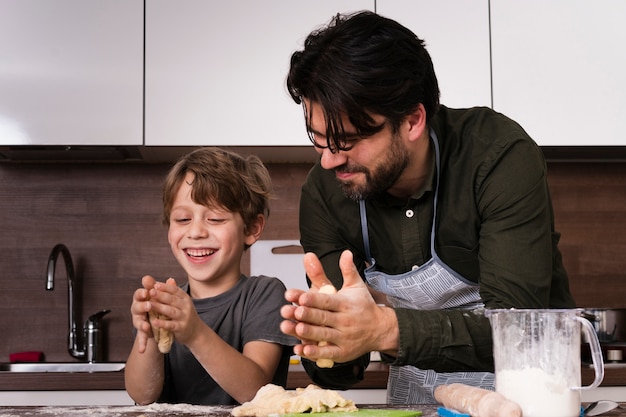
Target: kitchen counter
[(163, 410), (183, 410), (375, 378)]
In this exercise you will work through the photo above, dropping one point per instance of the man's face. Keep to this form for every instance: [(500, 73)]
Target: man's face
[(370, 167)]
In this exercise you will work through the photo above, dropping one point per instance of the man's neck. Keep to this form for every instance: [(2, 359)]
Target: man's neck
[(418, 173)]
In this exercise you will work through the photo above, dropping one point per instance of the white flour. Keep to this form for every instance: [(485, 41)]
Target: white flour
[(538, 393), (152, 410)]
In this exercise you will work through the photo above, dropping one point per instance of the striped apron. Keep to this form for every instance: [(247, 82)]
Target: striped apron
[(431, 286)]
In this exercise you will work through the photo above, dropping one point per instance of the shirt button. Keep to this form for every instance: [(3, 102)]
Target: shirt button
[(409, 213)]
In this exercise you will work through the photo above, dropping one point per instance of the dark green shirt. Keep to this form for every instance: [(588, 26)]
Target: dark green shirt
[(494, 226)]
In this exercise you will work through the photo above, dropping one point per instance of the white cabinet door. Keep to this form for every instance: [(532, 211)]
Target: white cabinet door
[(215, 71), (559, 69), (456, 33), (71, 72)]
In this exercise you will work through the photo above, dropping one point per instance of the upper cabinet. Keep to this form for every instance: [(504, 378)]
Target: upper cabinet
[(76, 72), (558, 69), (456, 33), (215, 71), (71, 72)]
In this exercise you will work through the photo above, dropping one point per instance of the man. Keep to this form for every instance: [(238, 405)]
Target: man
[(420, 215)]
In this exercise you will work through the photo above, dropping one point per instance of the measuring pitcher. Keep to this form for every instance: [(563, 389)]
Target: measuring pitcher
[(537, 359)]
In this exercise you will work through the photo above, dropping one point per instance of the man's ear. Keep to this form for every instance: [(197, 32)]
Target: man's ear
[(255, 229), (416, 123)]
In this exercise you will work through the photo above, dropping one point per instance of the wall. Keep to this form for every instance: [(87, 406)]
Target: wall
[(109, 217), (590, 212)]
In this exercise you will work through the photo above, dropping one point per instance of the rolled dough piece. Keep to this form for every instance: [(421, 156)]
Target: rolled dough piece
[(322, 362), (163, 337), (475, 401)]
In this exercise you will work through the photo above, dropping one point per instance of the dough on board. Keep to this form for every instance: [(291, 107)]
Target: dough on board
[(273, 399)]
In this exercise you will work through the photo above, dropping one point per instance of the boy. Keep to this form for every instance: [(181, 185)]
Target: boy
[(227, 341)]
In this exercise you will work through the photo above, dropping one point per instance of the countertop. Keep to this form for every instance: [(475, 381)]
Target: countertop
[(167, 410), (375, 378), (183, 410)]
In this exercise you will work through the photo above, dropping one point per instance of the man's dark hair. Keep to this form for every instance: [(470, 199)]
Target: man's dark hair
[(359, 65)]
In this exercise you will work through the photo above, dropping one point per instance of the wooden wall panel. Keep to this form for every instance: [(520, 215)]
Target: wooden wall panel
[(109, 217), (590, 211)]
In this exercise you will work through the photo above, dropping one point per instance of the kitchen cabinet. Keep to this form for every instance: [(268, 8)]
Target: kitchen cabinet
[(456, 33), (215, 71), (558, 69), (71, 72)]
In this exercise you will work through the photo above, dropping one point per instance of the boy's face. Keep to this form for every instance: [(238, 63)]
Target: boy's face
[(207, 242)]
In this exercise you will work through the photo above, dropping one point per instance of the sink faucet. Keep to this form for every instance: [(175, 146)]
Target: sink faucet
[(91, 347)]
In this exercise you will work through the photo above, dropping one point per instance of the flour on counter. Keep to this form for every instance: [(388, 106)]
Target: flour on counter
[(152, 410)]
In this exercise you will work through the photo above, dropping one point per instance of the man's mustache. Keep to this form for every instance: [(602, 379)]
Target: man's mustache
[(351, 169)]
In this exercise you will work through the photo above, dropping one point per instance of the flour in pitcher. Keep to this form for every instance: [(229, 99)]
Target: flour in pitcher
[(538, 393)]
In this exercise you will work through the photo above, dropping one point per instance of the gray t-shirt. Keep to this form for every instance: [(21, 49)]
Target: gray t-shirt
[(249, 311)]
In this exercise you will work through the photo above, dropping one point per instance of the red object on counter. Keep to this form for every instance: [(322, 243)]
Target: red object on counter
[(33, 356)]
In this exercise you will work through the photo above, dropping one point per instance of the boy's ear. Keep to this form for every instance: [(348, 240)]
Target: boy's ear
[(255, 229)]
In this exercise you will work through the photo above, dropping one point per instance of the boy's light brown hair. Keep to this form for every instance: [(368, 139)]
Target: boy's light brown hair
[(222, 179)]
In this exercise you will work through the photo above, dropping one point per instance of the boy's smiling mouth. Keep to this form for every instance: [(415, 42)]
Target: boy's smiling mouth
[(199, 253)]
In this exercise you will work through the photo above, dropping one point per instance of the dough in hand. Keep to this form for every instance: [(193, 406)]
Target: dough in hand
[(163, 337), (322, 362)]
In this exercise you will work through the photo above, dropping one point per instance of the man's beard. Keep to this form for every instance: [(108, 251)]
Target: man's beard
[(381, 178)]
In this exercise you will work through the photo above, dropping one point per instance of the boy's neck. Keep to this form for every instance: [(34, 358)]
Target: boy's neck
[(213, 288)]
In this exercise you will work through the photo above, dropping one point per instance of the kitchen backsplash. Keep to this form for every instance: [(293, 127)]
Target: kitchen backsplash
[(108, 215)]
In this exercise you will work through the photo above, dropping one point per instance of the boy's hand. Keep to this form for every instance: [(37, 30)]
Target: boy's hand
[(176, 305), (139, 311)]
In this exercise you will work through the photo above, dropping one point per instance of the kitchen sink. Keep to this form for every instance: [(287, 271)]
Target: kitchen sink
[(62, 367)]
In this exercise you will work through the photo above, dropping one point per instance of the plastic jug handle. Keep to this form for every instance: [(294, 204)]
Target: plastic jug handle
[(596, 353)]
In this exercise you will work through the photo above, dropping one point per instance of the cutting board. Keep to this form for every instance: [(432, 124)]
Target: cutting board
[(361, 413), (281, 259)]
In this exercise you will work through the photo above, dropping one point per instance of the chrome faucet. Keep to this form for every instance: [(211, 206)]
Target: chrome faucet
[(90, 348)]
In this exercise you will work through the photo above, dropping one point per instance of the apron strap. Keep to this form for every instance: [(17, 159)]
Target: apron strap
[(433, 135), (366, 237)]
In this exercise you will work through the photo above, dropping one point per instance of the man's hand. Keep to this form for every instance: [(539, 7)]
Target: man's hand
[(349, 321)]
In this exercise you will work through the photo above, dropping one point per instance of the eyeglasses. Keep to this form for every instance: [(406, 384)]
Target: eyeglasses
[(345, 144)]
